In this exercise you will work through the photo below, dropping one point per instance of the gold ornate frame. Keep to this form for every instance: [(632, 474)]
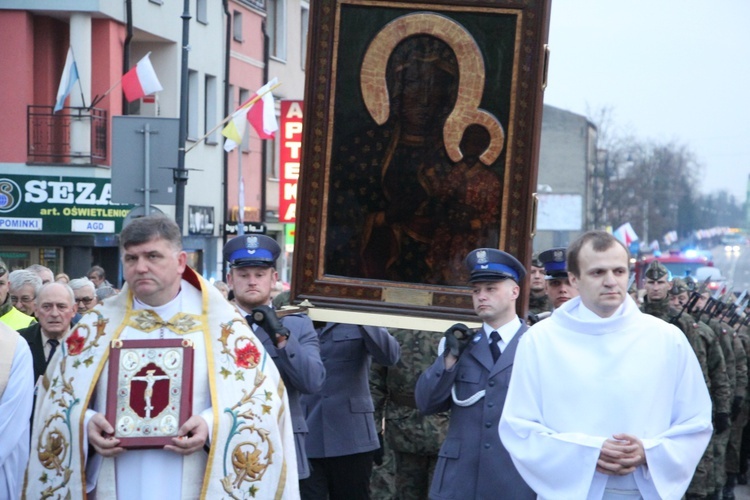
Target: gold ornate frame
[(512, 148)]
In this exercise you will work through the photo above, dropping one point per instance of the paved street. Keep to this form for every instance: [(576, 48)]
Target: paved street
[(742, 492), (735, 267)]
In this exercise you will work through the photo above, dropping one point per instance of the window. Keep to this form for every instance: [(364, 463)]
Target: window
[(244, 96), (201, 11), (305, 21), (210, 108), (275, 24), (237, 26), (192, 118)]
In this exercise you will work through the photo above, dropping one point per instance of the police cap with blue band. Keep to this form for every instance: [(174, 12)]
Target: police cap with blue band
[(252, 250), (491, 264), (555, 266)]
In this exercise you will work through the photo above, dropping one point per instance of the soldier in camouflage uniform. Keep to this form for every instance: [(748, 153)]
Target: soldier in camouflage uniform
[(704, 481), (413, 438), (740, 418), (539, 302), (383, 479), (721, 436), (656, 303), (743, 331)]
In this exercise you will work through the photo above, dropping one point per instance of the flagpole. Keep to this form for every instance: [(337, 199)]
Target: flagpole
[(225, 120), (180, 173), (240, 194), (80, 85), (99, 99)]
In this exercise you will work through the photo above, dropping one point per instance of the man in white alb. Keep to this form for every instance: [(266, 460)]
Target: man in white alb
[(238, 443), (604, 401), (16, 394)]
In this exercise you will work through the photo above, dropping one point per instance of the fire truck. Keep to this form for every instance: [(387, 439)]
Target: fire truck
[(679, 264)]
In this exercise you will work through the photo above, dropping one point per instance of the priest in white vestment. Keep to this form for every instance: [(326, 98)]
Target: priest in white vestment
[(16, 395), (604, 401), (237, 444)]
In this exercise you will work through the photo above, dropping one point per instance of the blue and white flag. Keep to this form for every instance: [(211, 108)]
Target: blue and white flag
[(68, 79)]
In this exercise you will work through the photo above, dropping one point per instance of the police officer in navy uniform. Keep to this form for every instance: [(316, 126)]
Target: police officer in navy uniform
[(343, 436), (291, 341), (470, 378), (557, 284)]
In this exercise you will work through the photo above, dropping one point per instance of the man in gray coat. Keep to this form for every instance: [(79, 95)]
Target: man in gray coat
[(342, 435), (470, 377), (291, 341)]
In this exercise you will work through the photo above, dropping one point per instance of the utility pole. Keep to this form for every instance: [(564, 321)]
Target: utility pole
[(180, 173)]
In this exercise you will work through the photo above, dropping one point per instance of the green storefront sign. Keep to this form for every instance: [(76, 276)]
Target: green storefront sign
[(62, 205)]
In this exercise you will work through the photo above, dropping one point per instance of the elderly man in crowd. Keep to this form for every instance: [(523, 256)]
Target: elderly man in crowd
[(55, 309), (23, 287), (85, 292), (44, 273), (9, 314)]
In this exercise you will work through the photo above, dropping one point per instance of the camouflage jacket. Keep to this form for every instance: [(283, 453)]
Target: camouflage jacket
[(392, 388), (721, 396), (742, 334), (725, 340), (662, 310), (540, 304), (740, 359)]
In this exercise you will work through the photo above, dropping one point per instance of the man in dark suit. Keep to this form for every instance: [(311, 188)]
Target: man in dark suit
[(55, 308), (291, 341), (470, 378)]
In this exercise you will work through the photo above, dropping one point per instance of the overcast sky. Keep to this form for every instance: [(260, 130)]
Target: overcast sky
[(669, 69)]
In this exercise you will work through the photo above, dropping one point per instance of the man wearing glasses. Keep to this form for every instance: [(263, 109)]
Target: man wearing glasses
[(85, 292), (23, 287), (8, 312)]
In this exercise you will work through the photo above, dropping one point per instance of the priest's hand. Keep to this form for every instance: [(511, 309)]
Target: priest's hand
[(191, 437), (101, 436), (621, 455)]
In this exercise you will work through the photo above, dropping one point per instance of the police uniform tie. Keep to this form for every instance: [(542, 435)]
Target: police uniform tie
[(494, 347), (53, 343)]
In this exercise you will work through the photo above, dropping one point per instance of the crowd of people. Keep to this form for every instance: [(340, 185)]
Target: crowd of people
[(592, 395)]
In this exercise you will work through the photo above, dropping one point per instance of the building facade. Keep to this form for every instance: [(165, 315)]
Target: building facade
[(56, 169), (567, 184)]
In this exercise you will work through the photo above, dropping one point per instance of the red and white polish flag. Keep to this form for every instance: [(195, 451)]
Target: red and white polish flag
[(141, 80)]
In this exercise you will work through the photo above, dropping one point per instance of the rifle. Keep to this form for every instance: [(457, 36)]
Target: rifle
[(733, 307), (631, 280), (696, 294), (726, 306), (710, 305), (738, 311), (690, 303)]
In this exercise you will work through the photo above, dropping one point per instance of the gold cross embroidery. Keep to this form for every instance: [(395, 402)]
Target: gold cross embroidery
[(181, 323)]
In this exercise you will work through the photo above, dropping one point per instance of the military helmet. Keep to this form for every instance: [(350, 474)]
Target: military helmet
[(656, 270), (690, 283), (678, 286), (535, 261)]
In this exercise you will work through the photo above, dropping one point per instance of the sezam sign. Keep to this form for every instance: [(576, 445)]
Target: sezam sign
[(56, 204)]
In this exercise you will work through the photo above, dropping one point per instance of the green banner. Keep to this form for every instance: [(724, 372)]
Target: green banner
[(61, 205)]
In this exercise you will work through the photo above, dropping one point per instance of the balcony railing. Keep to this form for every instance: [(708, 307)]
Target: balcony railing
[(72, 135)]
